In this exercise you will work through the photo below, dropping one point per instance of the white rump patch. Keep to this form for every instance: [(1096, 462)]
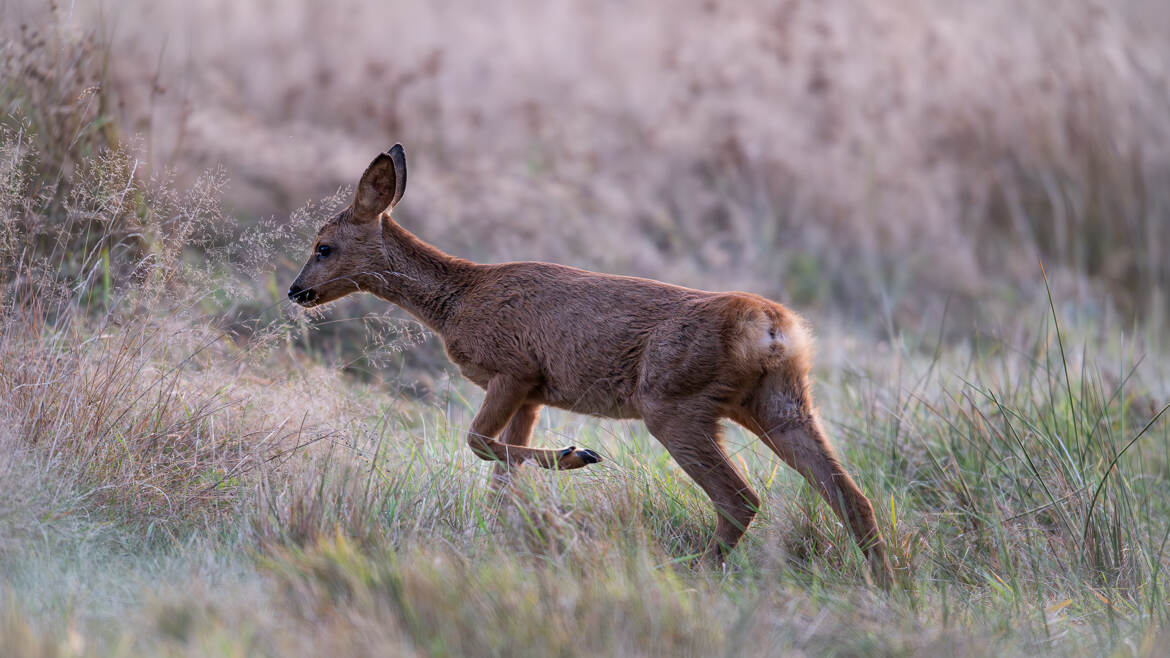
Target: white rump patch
[(793, 341)]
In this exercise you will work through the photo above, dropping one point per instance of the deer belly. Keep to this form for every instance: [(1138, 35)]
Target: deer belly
[(611, 398)]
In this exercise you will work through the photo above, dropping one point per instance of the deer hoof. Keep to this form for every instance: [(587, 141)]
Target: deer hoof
[(571, 457), (588, 456)]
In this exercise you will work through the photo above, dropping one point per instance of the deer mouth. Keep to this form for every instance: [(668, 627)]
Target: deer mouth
[(304, 296)]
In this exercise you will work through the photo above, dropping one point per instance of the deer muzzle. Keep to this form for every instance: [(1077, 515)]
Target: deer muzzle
[(302, 296)]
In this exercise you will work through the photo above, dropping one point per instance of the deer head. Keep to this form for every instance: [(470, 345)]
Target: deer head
[(348, 254)]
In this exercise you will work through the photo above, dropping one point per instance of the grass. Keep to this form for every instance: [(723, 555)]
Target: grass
[(291, 510), (193, 468)]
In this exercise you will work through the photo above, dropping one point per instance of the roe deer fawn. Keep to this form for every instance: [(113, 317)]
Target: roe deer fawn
[(536, 334)]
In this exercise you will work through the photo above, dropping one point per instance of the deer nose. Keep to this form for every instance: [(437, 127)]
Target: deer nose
[(301, 295)]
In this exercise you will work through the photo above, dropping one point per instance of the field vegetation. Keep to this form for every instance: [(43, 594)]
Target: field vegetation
[(970, 202)]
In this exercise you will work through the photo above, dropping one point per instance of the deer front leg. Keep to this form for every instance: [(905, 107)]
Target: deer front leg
[(505, 397), (518, 432)]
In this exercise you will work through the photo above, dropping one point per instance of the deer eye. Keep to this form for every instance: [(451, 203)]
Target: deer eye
[(322, 251)]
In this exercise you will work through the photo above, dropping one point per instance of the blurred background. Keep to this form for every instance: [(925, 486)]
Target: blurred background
[(970, 201), (871, 165)]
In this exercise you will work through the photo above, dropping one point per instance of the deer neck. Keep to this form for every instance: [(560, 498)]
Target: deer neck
[(423, 280)]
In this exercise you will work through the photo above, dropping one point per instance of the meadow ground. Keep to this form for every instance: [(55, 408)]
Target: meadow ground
[(193, 467)]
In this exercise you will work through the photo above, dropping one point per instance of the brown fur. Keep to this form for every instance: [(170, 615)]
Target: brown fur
[(534, 334)]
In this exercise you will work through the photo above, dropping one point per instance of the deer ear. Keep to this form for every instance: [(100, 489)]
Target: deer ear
[(382, 186), (398, 158)]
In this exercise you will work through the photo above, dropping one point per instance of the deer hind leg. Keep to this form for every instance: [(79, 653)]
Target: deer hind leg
[(504, 400), (695, 443), (788, 424)]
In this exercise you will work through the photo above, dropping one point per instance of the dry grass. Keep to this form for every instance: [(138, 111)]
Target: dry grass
[(192, 468)]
